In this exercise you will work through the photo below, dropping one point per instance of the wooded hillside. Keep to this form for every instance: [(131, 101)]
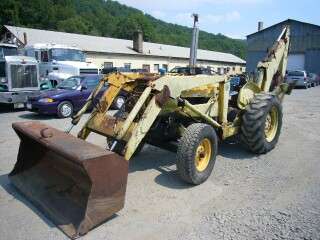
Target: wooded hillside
[(108, 19)]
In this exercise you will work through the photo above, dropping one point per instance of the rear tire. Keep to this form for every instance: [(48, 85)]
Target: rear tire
[(262, 123), (197, 153), (65, 109)]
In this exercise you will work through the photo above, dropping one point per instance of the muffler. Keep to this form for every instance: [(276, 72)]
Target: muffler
[(75, 183)]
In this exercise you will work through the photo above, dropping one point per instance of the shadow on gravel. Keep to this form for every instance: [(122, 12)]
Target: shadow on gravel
[(36, 116), (171, 179), (5, 108), (232, 148), (14, 192), (17, 195), (161, 160), (299, 88)]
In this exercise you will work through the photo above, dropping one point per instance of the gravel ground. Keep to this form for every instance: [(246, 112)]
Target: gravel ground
[(248, 196)]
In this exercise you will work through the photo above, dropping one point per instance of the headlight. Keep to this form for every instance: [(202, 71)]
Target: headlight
[(3, 80), (46, 100)]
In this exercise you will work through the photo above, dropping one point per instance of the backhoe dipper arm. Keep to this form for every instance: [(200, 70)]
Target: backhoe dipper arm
[(276, 60), (76, 118)]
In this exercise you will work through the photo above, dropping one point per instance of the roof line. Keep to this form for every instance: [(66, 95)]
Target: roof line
[(288, 20)]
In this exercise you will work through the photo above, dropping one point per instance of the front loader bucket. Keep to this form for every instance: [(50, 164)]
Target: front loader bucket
[(75, 183)]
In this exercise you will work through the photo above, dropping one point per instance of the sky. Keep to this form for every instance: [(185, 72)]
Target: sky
[(232, 18)]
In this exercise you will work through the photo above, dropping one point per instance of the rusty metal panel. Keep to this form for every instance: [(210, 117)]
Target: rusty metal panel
[(179, 84), (108, 126), (75, 183)]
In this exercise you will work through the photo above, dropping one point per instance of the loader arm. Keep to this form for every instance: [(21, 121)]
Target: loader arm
[(149, 105), (116, 83)]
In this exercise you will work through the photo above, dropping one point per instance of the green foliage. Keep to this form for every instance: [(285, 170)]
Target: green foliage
[(77, 25), (9, 12), (126, 27), (108, 18)]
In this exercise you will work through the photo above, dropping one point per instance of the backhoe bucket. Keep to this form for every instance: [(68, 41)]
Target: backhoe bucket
[(75, 183)]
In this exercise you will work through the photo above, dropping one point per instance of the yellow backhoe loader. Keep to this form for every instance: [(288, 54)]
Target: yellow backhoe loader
[(79, 185)]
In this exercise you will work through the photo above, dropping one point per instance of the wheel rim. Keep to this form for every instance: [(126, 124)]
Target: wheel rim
[(203, 155), (120, 102), (271, 125), (66, 110)]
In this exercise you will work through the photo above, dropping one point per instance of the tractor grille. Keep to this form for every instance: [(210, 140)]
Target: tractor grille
[(23, 76), (2, 69), (88, 71)]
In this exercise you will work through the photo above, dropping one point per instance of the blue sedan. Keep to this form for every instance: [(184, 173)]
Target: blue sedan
[(69, 96)]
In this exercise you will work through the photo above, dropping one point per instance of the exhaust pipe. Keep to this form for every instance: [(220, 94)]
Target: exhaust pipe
[(194, 41)]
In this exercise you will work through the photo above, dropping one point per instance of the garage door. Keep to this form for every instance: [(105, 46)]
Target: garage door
[(296, 61)]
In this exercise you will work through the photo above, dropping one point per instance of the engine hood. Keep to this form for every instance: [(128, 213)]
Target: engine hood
[(21, 59), (50, 93), (76, 64)]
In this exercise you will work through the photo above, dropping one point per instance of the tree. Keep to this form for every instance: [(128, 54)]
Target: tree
[(9, 13), (126, 27), (108, 18), (77, 25), (149, 33)]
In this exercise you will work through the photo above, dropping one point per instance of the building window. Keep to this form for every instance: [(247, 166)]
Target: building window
[(127, 65), (234, 69), (108, 64), (219, 70), (36, 55), (146, 66), (44, 56), (240, 69), (156, 67)]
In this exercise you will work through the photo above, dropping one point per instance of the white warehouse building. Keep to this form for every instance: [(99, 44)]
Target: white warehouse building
[(110, 52)]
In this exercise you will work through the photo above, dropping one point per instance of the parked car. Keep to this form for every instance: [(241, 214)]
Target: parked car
[(142, 70), (193, 71), (302, 76), (69, 96), (114, 69), (45, 84), (315, 80)]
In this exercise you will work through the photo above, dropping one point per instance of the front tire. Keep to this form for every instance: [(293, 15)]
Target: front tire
[(196, 153), (262, 123), (65, 109)]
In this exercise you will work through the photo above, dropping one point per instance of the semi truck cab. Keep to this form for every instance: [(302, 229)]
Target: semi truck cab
[(58, 62), (19, 76)]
